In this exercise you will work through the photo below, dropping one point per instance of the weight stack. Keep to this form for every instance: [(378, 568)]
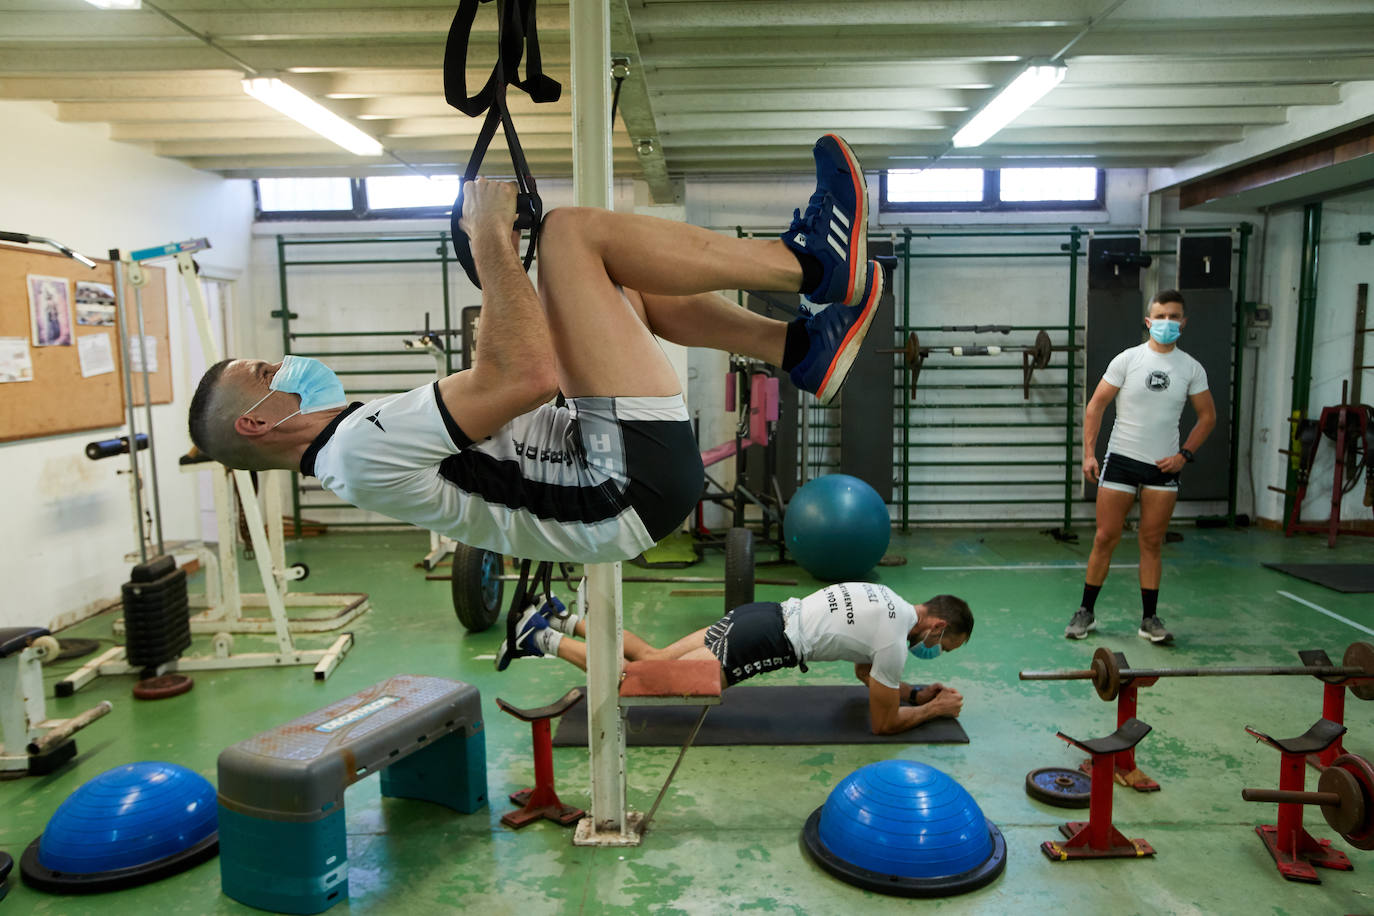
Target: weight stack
[(157, 622)]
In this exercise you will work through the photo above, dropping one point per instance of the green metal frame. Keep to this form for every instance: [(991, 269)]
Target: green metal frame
[(442, 257), (1302, 347)]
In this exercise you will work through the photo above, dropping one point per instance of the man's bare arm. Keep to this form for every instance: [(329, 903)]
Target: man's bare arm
[(516, 372)]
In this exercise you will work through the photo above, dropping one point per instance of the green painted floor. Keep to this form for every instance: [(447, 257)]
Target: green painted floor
[(726, 837)]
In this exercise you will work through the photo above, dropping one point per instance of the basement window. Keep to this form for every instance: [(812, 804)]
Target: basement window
[(417, 194), (956, 189), (307, 198)]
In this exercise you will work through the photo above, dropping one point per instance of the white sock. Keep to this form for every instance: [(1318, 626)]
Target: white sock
[(547, 640), (565, 625)]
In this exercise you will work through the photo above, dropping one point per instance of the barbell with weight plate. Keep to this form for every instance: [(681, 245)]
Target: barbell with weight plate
[(1345, 793), (1109, 671), (1036, 356)]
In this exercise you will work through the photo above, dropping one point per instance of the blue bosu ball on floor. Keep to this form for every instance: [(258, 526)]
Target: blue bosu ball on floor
[(130, 825), (905, 828), (837, 527)]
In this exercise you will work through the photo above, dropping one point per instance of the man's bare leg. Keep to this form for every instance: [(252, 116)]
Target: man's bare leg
[(574, 650), (602, 339)]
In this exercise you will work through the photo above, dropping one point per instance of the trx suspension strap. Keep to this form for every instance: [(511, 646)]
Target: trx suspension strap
[(516, 37)]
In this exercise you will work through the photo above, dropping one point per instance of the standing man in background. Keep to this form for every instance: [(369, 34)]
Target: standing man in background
[(1150, 383)]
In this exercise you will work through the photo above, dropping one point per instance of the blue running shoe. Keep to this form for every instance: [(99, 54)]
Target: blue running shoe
[(834, 229), (836, 333), (522, 643)]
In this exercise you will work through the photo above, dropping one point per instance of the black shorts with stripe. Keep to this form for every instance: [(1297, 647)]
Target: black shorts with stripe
[(1129, 475), (750, 640)]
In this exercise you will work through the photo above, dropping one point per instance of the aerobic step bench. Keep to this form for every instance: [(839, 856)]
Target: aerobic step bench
[(281, 794)]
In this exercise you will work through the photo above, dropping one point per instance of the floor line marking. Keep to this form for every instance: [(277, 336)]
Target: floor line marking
[(1332, 614), (1028, 566)]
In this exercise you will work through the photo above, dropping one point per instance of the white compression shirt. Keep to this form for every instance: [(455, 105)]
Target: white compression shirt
[(1154, 387), (527, 490), (852, 622)]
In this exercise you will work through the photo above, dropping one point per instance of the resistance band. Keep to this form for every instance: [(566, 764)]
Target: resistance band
[(517, 36)]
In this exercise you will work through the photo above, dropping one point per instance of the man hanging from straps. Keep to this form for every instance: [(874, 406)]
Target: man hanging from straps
[(483, 457)]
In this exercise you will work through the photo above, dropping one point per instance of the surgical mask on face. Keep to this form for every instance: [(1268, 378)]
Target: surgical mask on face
[(1164, 330), (925, 652), (314, 382)]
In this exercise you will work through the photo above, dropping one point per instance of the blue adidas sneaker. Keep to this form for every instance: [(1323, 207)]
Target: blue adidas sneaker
[(836, 333), (834, 229), (521, 639)]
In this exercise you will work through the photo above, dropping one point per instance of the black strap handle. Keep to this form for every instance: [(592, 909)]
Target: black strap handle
[(518, 37)]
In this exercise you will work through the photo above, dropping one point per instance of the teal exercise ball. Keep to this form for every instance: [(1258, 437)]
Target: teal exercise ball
[(837, 527)]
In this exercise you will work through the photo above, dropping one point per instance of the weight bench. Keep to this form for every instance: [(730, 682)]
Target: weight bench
[(281, 813)]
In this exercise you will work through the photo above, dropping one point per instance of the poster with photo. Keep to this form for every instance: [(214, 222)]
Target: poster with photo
[(95, 303), (50, 311), (15, 365)]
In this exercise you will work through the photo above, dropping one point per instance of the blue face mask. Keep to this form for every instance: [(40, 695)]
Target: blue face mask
[(314, 382), (1164, 330), (925, 652)]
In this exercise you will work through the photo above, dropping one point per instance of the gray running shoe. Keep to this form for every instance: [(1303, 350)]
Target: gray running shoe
[(1152, 628), (1081, 623)]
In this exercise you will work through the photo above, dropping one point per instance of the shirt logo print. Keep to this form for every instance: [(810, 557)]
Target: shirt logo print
[(1158, 380), (376, 422)]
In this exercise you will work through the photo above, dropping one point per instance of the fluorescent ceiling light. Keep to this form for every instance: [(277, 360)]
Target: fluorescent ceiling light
[(1021, 93), (116, 4), (300, 107)]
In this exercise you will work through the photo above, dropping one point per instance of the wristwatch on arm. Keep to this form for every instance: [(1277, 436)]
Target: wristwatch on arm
[(1187, 455)]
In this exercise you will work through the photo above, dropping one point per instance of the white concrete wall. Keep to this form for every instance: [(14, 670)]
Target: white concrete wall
[(68, 520)]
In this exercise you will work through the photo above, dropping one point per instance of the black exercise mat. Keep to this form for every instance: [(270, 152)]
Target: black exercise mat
[(1341, 577), (765, 715)]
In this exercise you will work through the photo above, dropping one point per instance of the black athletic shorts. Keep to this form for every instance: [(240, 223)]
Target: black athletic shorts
[(750, 640), (1129, 476)]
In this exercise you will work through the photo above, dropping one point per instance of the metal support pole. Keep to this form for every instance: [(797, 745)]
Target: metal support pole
[(610, 823), (148, 415), (284, 313), (1071, 411), (448, 306), (1302, 347), (1237, 372), (906, 389), (136, 480)]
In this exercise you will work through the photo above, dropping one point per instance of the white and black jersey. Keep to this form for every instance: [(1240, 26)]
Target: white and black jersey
[(598, 480), (854, 622), (1154, 387)]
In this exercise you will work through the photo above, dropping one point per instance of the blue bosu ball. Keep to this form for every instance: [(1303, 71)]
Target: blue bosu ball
[(130, 825), (837, 527), (902, 827)]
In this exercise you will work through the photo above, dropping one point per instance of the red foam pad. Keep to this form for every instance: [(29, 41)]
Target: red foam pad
[(698, 677)]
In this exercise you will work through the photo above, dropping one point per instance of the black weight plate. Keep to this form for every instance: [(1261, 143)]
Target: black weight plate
[(1059, 787)]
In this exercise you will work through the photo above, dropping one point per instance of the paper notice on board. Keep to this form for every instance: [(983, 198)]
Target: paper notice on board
[(15, 365), (138, 353), (97, 356)]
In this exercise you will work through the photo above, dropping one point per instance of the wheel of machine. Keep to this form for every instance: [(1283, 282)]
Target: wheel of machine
[(477, 587), (1059, 787), (739, 568), (299, 572), (47, 648), (162, 687)]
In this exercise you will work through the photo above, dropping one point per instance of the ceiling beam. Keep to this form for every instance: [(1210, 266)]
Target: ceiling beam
[(637, 110)]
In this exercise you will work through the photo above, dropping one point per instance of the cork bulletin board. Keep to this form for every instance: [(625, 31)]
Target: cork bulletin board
[(38, 304)]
